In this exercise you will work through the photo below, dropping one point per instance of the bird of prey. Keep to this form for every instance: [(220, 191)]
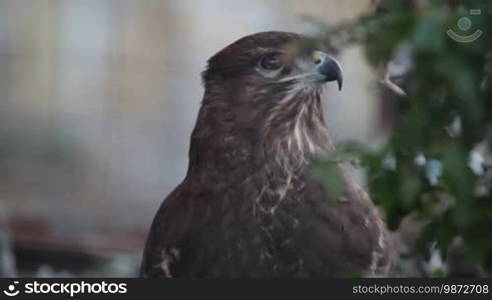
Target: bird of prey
[(247, 206)]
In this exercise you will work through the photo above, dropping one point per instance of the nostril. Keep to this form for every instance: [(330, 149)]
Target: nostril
[(318, 57)]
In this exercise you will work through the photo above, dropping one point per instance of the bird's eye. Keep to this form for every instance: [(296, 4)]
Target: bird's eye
[(271, 62)]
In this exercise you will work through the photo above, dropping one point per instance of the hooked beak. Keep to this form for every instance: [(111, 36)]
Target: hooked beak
[(328, 68)]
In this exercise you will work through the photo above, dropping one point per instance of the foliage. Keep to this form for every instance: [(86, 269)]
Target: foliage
[(433, 165)]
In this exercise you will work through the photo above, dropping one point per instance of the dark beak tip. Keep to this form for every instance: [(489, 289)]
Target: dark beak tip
[(332, 71)]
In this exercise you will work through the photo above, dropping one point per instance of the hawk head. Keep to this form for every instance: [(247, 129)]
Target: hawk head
[(282, 58), (263, 91)]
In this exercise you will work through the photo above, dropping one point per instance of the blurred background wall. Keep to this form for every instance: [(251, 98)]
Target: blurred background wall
[(97, 102)]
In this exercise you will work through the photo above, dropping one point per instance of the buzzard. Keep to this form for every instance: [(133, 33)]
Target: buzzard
[(247, 206)]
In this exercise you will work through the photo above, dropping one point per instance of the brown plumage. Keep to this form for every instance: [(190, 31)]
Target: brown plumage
[(247, 207)]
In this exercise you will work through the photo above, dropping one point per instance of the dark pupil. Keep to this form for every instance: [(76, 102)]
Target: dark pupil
[(271, 62)]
